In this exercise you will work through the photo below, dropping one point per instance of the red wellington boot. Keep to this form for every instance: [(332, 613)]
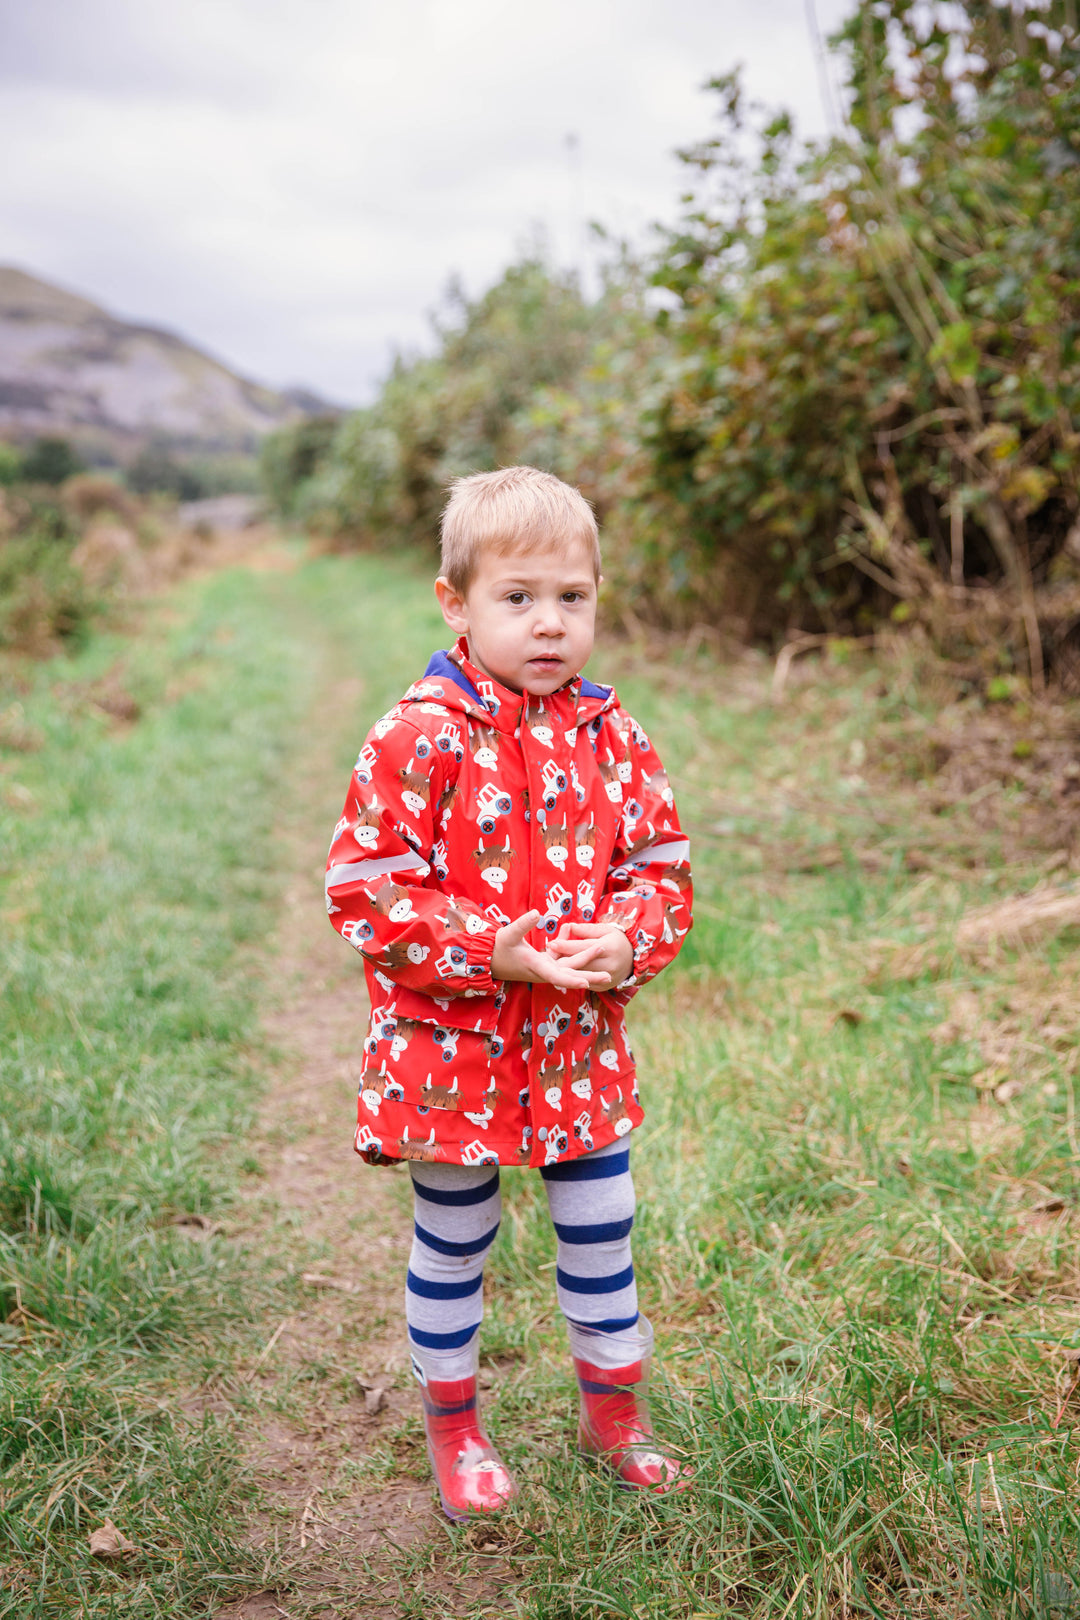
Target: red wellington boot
[(615, 1425), (468, 1470)]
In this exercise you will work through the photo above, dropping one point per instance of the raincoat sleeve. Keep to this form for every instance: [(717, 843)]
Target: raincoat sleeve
[(648, 893), (384, 848)]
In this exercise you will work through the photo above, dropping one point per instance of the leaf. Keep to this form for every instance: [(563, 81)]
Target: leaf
[(319, 1279), (955, 349), (109, 1542), (374, 1399)]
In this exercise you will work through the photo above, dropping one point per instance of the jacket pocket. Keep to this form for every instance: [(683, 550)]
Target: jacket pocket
[(476, 1013)]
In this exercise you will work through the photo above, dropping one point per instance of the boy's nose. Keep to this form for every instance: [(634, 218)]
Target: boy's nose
[(549, 621)]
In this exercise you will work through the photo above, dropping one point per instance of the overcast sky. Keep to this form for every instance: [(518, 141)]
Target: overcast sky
[(291, 183)]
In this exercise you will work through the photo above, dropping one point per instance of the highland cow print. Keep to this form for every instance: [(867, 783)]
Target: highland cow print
[(484, 747), (366, 828), (441, 1094), (607, 1054), (398, 955), (394, 902), (585, 843), (459, 819), (424, 1152), (495, 863), (416, 790), (557, 846), (616, 1111), (580, 1083)]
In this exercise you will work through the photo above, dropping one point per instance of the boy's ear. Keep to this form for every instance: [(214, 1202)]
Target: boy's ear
[(453, 606)]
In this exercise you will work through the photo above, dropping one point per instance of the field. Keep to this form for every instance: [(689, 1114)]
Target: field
[(858, 1178)]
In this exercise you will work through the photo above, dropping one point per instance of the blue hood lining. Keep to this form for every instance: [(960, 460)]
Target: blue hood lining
[(442, 666)]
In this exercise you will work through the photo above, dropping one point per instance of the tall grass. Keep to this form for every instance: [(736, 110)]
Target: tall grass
[(137, 875), (862, 1267)]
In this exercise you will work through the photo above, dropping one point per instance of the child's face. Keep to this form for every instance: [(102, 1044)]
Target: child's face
[(530, 618)]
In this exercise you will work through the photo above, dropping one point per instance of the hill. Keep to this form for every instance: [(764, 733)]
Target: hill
[(69, 367)]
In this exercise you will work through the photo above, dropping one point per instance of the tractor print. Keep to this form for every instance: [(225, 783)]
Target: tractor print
[(366, 1142), (554, 782), (491, 802), (487, 692), (448, 741), (583, 1130), (447, 1039), (365, 764), (555, 1146), (559, 903), (555, 1024)]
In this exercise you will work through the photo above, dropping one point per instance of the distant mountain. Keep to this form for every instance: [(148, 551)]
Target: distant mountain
[(68, 367)]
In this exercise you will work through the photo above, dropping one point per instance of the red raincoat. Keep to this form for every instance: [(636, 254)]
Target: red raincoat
[(470, 804)]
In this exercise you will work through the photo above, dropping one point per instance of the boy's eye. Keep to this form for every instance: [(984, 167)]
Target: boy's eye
[(573, 596), (516, 598)]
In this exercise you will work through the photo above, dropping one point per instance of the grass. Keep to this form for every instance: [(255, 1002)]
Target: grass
[(858, 1250), (135, 884), (863, 1267)]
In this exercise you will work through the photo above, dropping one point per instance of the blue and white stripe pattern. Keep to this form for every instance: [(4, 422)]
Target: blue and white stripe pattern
[(592, 1209), (457, 1210)]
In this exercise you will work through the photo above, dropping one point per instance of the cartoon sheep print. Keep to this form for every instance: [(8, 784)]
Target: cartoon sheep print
[(558, 804)]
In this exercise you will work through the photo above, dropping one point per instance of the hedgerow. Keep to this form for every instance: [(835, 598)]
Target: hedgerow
[(844, 387)]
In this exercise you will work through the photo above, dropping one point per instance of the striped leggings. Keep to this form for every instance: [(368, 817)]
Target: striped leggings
[(457, 1211)]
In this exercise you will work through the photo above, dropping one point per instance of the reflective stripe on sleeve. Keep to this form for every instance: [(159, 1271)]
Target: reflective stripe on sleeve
[(361, 871), (674, 853)]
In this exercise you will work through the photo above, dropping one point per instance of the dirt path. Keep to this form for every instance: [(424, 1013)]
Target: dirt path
[(335, 1444)]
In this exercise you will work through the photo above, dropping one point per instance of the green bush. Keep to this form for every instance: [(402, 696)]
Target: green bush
[(380, 475), (44, 599), (291, 457), (878, 375), (860, 398), (156, 470), (49, 461), (10, 465)]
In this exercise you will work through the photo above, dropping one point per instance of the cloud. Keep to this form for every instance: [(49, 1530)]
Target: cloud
[(292, 184)]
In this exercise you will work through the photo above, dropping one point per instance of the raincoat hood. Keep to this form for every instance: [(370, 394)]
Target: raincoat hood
[(452, 680)]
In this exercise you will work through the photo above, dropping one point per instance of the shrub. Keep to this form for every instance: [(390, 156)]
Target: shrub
[(879, 376), (49, 461), (291, 457), (10, 465), (157, 471), (44, 600), (859, 401), (89, 495)]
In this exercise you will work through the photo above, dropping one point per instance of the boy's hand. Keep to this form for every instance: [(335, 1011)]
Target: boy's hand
[(512, 958), (610, 952)]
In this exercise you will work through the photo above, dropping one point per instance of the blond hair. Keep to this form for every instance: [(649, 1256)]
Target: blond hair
[(513, 510)]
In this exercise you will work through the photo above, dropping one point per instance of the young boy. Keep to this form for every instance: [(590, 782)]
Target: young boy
[(510, 866)]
